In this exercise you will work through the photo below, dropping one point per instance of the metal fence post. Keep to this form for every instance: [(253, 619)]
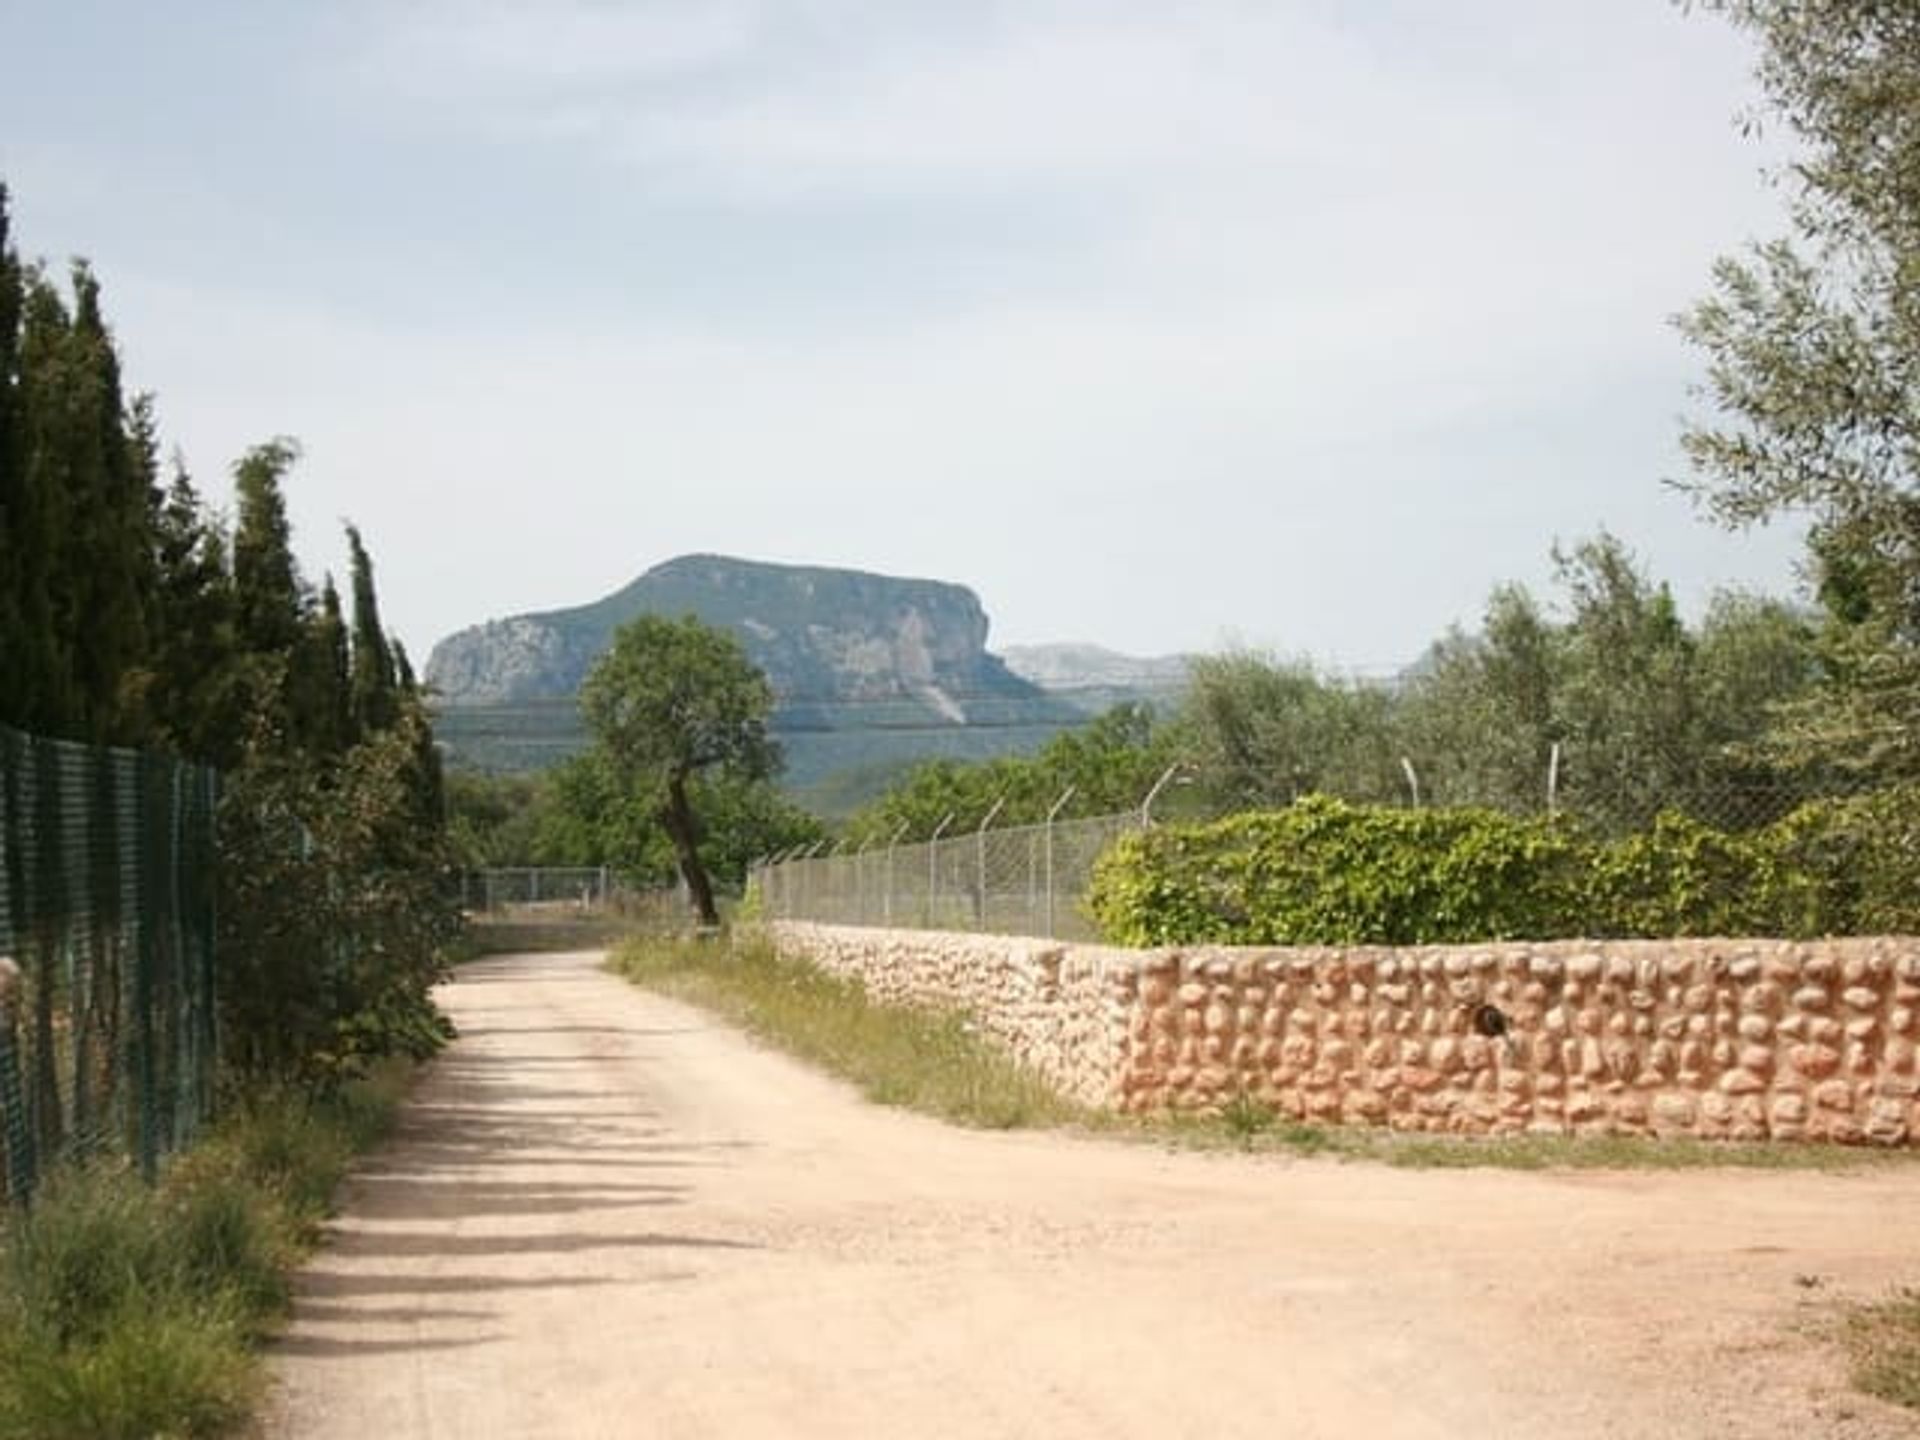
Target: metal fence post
[(1053, 815), (1146, 805), (892, 845), (980, 903), (933, 865)]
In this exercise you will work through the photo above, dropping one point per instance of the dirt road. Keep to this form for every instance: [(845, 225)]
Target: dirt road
[(607, 1215)]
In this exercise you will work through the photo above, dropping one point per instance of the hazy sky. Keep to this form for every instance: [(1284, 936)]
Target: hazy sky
[(1298, 324)]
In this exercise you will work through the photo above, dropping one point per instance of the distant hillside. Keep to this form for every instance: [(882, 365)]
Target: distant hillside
[(870, 672), (1093, 679)]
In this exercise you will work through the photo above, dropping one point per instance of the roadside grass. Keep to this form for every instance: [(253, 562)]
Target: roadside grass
[(1414, 1151), (482, 937), (935, 1062), (1883, 1343), (132, 1310), (925, 1060)]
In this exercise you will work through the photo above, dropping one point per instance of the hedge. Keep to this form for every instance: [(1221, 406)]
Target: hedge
[(1323, 872)]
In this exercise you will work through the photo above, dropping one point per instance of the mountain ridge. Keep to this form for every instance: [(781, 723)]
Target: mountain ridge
[(870, 672)]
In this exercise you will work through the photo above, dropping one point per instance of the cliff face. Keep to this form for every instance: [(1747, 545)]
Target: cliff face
[(824, 637)]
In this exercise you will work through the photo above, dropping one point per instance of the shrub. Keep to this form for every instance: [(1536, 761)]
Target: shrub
[(334, 923), (1322, 872), (1678, 877), (1849, 866), (1325, 872), (126, 1309)]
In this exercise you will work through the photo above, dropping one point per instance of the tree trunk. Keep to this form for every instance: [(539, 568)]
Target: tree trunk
[(677, 816)]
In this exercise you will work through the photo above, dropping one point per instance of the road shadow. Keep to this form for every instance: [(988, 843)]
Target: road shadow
[(334, 1346), (525, 1161), (430, 1246)]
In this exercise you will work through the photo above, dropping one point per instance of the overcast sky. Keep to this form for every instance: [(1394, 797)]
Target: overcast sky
[(1297, 324)]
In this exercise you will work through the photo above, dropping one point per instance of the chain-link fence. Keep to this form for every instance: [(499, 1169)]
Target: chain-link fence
[(537, 889), (1032, 879), (1021, 880), (1609, 791), (106, 954)]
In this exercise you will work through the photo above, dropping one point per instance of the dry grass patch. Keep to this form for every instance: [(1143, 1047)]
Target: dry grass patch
[(926, 1060), (1883, 1342)]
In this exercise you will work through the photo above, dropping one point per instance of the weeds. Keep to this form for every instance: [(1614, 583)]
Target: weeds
[(1883, 1342), (927, 1060), (1246, 1118), (127, 1310)]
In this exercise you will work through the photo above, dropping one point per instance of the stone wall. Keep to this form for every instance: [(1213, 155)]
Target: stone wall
[(1734, 1039), (1065, 1010)]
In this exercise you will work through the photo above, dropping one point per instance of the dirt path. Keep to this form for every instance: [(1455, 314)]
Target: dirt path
[(607, 1215)]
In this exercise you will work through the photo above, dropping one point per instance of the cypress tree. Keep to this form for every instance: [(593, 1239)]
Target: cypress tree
[(375, 686), (11, 519), (195, 693), (80, 561), (323, 705), (270, 606), (41, 674), (109, 559)]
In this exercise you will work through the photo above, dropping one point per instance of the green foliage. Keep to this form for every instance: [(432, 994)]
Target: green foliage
[(1883, 1343), (1480, 713), (927, 1060), (577, 813), (1261, 733), (74, 499), (1322, 872), (1810, 347), (498, 820), (126, 1310), (1325, 872), (1855, 862), (670, 701), (1108, 764), (1643, 713), (374, 687), (269, 600), (1646, 713), (194, 690), (1678, 877), (334, 917)]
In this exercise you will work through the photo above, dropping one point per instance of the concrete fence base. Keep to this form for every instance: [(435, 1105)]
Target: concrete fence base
[(1718, 1039)]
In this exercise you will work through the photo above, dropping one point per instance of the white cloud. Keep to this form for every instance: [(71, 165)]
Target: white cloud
[(1306, 321), (526, 52)]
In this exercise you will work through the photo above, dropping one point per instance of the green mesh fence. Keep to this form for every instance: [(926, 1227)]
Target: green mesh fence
[(106, 925)]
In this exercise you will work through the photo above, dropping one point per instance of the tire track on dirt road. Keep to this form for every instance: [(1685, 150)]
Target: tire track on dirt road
[(605, 1214)]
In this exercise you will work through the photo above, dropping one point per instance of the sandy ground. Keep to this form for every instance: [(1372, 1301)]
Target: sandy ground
[(607, 1215)]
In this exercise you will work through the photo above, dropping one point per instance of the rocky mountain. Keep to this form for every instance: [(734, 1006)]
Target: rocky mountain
[(869, 671), (1092, 678)]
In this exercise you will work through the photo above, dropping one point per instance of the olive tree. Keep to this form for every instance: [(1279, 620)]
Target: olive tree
[(1813, 351), (672, 700)]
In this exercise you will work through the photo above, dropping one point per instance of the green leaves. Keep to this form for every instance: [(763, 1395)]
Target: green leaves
[(1322, 872), (672, 699), (675, 696), (1326, 872), (1812, 375)]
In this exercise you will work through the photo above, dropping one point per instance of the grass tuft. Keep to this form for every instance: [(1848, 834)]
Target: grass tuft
[(1883, 1342), (927, 1060), (128, 1310)]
